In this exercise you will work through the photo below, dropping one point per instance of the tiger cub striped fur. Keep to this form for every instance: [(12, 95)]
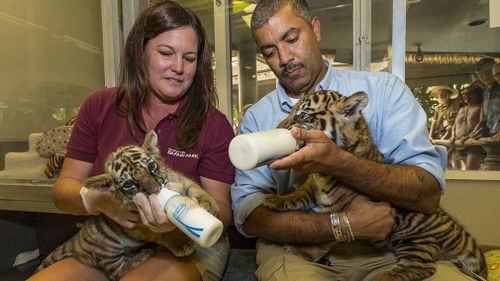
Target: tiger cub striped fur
[(418, 240), (105, 245)]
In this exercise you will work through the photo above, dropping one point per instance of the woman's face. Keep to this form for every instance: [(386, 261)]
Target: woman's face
[(472, 98), (171, 60)]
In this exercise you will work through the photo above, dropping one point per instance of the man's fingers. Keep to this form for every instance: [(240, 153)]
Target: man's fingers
[(298, 133), (360, 198), (307, 135), (285, 162)]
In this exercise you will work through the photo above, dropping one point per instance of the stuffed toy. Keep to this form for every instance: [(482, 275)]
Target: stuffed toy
[(52, 145)]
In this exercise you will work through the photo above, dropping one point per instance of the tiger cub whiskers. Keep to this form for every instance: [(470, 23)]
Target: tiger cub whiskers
[(418, 240), (105, 245)]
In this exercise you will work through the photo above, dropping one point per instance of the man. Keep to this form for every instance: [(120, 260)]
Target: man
[(444, 118), (445, 113), (494, 104), (488, 73), (288, 37)]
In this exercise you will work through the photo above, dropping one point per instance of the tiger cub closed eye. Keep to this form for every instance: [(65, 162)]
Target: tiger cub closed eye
[(105, 245), (418, 240)]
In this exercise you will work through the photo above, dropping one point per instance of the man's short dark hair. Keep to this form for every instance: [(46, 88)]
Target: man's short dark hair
[(266, 9), (484, 64)]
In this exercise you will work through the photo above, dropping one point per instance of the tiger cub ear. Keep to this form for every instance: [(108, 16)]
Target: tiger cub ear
[(102, 182), (355, 103), (150, 143)]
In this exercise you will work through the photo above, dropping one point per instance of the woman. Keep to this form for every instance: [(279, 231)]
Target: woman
[(470, 123), (167, 86)]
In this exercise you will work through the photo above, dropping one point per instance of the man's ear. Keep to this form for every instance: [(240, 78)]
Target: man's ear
[(103, 182), (316, 27)]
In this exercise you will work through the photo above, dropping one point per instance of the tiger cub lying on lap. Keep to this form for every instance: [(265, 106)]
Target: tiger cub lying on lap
[(105, 245), (418, 240)]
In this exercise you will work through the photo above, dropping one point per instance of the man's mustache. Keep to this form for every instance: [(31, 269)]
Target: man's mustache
[(291, 66)]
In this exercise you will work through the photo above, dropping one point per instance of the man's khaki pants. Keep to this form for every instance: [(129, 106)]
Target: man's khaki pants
[(276, 264)]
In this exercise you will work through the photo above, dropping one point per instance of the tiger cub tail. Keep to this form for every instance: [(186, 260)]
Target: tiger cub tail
[(65, 250)]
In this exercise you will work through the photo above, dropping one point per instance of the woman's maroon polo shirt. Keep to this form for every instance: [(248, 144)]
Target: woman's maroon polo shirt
[(100, 129)]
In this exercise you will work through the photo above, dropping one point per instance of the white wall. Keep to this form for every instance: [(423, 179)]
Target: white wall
[(473, 198)]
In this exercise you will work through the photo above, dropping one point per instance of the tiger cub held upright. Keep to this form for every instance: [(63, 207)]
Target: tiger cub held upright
[(107, 246), (418, 240)]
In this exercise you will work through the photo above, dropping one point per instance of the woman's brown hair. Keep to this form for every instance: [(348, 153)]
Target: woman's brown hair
[(134, 84)]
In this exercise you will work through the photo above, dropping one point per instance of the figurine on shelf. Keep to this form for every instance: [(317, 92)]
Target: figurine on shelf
[(470, 123), (445, 113)]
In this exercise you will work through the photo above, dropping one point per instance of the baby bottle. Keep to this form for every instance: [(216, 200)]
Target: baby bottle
[(190, 218), (251, 150)]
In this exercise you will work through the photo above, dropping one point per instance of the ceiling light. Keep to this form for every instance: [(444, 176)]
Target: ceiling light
[(477, 22)]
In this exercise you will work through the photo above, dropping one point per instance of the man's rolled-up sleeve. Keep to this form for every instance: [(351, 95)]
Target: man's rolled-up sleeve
[(248, 192)]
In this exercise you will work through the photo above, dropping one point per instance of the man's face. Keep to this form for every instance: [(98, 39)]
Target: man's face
[(291, 49), (443, 96), (485, 76), (496, 72)]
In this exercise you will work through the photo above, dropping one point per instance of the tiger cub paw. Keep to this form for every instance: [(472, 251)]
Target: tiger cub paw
[(275, 202), (209, 204), (183, 249)]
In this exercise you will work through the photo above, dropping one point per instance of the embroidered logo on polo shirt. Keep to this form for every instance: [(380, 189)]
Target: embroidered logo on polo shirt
[(181, 154)]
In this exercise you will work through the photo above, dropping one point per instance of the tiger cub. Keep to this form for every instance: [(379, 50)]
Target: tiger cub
[(105, 245), (418, 240)]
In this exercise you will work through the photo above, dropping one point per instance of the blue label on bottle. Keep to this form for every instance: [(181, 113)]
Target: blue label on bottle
[(180, 211), (179, 214)]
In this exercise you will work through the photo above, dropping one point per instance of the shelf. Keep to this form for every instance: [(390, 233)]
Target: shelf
[(27, 195)]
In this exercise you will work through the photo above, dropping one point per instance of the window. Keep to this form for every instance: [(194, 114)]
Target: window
[(52, 58), (444, 41)]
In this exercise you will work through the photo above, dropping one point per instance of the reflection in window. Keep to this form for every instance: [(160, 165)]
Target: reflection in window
[(52, 59), (446, 70), (444, 42)]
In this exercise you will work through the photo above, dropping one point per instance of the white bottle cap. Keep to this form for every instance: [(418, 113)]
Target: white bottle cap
[(165, 194)]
